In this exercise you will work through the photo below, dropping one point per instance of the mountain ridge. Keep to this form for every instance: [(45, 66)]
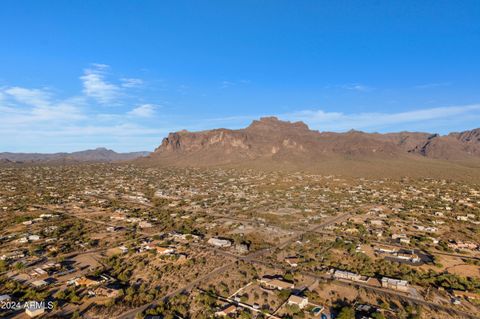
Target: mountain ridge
[(100, 154), (281, 135), (272, 143)]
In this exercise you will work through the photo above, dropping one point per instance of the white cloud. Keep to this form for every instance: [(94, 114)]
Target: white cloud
[(131, 82), (145, 110), (34, 119), (26, 106), (352, 87), (338, 121), (31, 97), (97, 87), (357, 87), (226, 84)]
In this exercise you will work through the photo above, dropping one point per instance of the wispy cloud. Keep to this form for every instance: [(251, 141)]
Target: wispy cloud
[(97, 87), (32, 97), (39, 116), (227, 84), (131, 82), (27, 106), (144, 110), (432, 85), (339, 121), (358, 87)]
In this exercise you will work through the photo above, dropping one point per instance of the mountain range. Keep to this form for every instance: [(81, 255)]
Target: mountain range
[(96, 155), (269, 143), (272, 143)]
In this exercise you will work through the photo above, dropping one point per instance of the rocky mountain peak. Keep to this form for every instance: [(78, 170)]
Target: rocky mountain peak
[(271, 140), (272, 123)]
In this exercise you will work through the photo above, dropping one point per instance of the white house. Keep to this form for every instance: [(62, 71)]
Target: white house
[(301, 302), (219, 242)]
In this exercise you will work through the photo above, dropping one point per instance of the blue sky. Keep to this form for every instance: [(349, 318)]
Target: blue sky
[(122, 74)]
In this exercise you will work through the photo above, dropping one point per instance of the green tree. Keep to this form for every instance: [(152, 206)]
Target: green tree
[(346, 313), (3, 265), (378, 315)]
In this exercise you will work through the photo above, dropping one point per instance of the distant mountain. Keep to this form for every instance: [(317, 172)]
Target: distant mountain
[(270, 142), (97, 155)]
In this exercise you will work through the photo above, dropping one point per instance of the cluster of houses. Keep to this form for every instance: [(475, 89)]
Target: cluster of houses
[(159, 247), (142, 223), (27, 239), (241, 248), (155, 245), (13, 255), (428, 229), (277, 283), (463, 245), (466, 218), (270, 283), (390, 283), (44, 270), (39, 219)]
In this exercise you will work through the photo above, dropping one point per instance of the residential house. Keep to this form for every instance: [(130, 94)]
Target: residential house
[(87, 282), (39, 283), (218, 242), (164, 250), (107, 292), (396, 284), (227, 310), (386, 249), (301, 302), (275, 283)]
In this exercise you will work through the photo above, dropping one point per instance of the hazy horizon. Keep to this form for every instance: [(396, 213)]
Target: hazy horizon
[(95, 147)]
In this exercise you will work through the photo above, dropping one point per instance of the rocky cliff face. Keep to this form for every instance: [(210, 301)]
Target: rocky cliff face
[(469, 137), (270, 139)]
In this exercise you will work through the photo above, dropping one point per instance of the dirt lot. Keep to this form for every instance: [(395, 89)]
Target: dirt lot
[(465, 270)]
